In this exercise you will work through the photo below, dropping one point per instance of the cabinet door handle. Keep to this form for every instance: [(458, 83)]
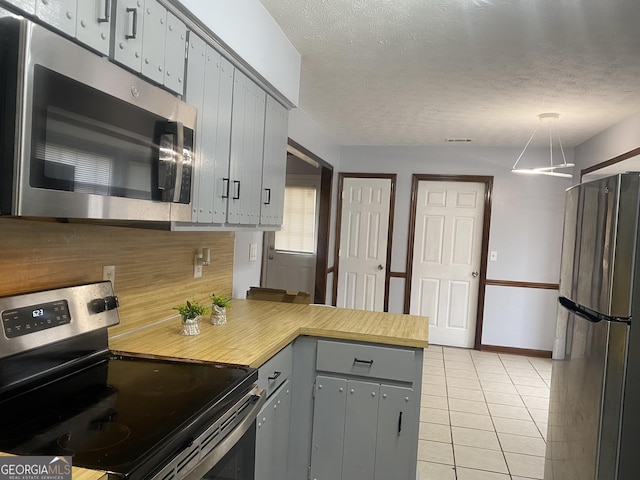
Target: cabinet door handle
[(107, 7), (399, 423), (134, 23), (236, 192), (276, 374), (268, 190), (368, 362), (226, 190)]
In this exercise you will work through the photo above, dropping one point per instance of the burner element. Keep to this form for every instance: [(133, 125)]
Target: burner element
[(97, 436)]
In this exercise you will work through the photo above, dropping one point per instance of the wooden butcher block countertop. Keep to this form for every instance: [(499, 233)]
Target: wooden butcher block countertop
[(257, 330)]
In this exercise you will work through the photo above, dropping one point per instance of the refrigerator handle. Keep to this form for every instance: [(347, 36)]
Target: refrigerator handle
[(588, 314)]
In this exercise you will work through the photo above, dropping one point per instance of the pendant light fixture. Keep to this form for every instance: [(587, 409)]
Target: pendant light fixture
[(547, 121)]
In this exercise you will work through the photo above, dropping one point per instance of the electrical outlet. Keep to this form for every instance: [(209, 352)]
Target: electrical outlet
[(109, 273), (493, 256)]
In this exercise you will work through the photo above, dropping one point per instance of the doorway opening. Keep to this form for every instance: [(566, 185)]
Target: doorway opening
[(296, 257)]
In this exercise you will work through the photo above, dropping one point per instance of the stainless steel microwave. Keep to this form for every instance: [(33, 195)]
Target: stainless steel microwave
[(82, 138)]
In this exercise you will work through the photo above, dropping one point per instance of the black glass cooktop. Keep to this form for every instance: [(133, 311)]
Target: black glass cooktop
[(122, 414)]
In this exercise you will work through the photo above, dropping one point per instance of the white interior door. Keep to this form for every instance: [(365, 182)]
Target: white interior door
[(290, 254), (446, 259), (364, 230)]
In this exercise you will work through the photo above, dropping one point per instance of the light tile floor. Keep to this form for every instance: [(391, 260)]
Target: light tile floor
[(483, 415)]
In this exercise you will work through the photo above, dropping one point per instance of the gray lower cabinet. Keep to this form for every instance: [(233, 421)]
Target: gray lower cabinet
[(365, 411), (272, 435), (273, 421), (358, 430)]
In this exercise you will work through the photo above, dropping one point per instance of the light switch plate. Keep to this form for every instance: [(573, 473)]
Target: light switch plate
[(493, 256), (253, 252)]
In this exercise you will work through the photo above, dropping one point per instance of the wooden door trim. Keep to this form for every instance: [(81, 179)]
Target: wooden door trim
[(392, 204), (488, 182), (324, 222), (612, 161)]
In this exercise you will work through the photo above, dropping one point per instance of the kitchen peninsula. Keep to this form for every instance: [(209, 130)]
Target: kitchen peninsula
[(257, 330), (343, 385)]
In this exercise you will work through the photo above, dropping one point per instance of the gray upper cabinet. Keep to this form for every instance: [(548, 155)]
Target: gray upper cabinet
[(27, 6), (241, 143), (89, 21), (127, 46), (274, 166), (247, 144), (59, 14), (210, 89), (150, 40), (93, 27), (153, 40), (174, 53)]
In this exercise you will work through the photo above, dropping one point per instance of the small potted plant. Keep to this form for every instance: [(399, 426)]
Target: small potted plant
[(191, 313), (219, 306)]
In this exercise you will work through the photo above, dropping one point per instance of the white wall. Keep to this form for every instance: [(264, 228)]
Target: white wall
[(246, 273), (247, 29), (526, 230), (620, 138)]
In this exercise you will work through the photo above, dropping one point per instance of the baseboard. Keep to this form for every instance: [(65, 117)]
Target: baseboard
[(516, 351)]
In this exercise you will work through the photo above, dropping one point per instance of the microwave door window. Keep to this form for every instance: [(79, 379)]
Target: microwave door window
[(85, 141)]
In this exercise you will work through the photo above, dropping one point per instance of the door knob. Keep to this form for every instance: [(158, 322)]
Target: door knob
[(380, 267), (474, 274)]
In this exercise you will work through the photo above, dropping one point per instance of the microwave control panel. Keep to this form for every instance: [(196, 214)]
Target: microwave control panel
[(24, 320)]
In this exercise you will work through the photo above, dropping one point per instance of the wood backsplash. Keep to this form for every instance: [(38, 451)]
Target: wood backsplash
[(154, 268)]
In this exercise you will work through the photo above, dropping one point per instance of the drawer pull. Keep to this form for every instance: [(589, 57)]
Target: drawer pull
[(368, 362), (276, 374)]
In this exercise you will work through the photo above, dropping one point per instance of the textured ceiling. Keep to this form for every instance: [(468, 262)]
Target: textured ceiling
[(414, 72)]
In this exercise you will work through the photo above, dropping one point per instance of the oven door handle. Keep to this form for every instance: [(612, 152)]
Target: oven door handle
[(214, 456)]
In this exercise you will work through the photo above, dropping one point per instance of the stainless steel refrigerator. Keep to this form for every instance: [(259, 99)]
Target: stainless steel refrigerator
[(594, 410)]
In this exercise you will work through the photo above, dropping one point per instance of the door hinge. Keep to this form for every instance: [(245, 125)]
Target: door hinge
[(339, 252), (309, 472), (342, 195)]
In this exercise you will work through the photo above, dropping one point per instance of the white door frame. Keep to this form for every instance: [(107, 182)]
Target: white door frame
[(488, 181), (392, 202)]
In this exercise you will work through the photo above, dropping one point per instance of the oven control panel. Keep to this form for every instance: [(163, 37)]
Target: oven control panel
[(34, 318)]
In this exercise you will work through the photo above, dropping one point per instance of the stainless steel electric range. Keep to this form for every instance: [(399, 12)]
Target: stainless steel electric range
[(63, 392)]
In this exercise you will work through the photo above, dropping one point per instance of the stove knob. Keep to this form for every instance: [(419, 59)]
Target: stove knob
[(111, 302), (100, 305), (97, 305)]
